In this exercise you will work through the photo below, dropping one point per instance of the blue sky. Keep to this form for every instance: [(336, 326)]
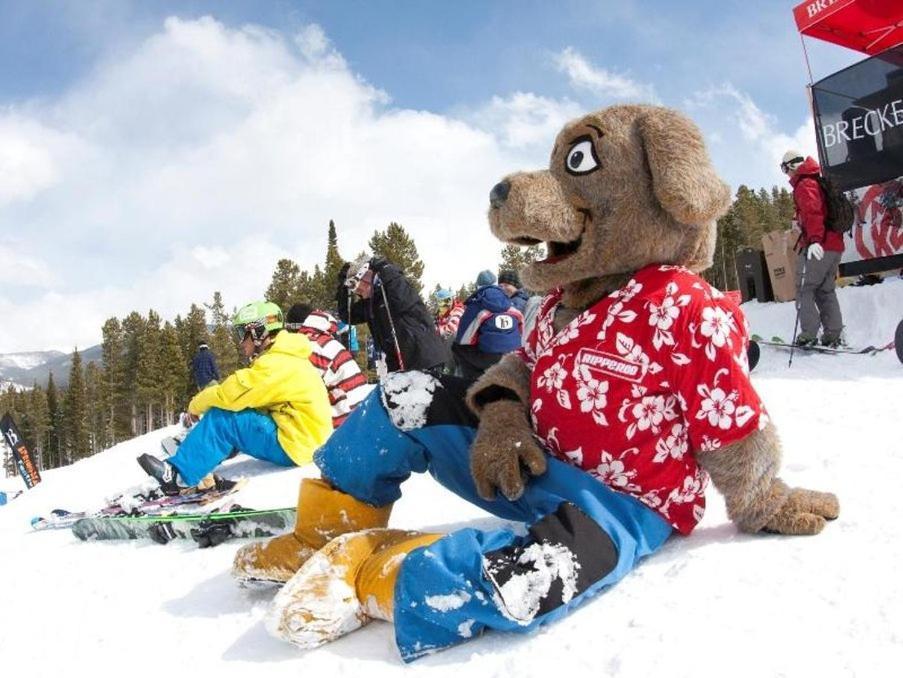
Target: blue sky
[(148, 148), (438, 55)]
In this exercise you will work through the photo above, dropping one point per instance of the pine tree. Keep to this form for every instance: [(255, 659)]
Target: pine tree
[(515, 257), (223, 343), (40, 423), (55, 435), (133, 326), (75, 416), (173, 374), (147, 374), (398, 247), (116, 414), (94, 409), (333, 263), (283, 290)]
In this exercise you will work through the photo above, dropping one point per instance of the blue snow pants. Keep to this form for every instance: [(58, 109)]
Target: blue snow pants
[(212, 439), (442, 596)]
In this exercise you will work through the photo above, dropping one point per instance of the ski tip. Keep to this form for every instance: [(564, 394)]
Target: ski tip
[(753, 353), (898, 341)]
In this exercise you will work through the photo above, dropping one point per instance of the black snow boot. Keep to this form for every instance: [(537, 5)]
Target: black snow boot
[(165, 473)]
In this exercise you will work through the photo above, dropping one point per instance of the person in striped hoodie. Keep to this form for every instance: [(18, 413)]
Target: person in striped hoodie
[(345, 383)]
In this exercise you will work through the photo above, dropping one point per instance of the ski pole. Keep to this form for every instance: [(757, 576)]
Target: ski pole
[(391, 325), (796, 322)]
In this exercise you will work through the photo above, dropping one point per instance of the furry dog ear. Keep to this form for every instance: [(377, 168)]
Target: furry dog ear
[(683, 179)]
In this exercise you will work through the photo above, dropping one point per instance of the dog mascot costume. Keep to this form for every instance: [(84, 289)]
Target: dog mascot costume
[(600, 434)]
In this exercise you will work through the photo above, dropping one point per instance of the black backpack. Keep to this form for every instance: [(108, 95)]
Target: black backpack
[(840, 215)]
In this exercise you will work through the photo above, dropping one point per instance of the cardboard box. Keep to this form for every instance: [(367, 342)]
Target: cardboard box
[(781, 261)]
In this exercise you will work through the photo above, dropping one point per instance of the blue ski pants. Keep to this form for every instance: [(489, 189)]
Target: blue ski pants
[(442, 596), (212, 439)]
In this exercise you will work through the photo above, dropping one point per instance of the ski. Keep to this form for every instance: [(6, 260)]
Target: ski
[(200, 502), (779, 343), (207, 529), (898, 340)]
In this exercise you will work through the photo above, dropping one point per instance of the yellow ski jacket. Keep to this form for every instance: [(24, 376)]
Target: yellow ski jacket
[(283, 383)]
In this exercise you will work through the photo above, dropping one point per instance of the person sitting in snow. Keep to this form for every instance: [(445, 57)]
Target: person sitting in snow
[(448, 314), (345, 383), (600, 434), (277, 409)]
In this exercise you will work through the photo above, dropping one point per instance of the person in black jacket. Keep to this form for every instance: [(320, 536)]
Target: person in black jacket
[(203, 367), (377, 293)]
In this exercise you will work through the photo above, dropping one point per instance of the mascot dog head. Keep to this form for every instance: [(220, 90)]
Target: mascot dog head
[(627, 186)]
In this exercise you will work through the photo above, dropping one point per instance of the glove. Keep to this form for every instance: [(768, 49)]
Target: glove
[(504, 451), (804, 512), (815, 251), (187, 419)]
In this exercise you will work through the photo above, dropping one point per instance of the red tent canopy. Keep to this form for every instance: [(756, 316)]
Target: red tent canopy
[(869, 26)]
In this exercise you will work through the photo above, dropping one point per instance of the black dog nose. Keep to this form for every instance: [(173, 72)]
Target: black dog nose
[(499, 193)]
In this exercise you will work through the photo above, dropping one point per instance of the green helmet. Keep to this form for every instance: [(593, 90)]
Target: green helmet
[(260, 318)]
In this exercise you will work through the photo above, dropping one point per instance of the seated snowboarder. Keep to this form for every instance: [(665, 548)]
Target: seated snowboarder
[(345, 383), (600, 433), (276, 409)]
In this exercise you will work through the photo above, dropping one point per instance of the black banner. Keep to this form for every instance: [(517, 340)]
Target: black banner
[(859, 121), (24, 462)]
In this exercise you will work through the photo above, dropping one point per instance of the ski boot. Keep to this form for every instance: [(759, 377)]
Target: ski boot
[(343, 586), (165, 473), (805, 341), (323, 514), (831, 340)]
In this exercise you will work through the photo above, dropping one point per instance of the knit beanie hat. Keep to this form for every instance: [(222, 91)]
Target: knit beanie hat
[(485, 278), (510, 277)]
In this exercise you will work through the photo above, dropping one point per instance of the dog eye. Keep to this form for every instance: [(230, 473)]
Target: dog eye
[(581, 159)]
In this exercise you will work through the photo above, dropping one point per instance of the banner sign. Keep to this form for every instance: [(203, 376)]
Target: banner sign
[(24, 462), (859, 121)]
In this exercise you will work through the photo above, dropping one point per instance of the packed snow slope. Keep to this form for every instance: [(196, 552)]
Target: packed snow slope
[(716, 603)]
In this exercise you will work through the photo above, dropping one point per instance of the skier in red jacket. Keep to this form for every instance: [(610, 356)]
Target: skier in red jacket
[(820, 252)]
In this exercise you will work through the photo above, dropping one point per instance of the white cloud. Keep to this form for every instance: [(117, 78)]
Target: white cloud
[(194, 162), (27, 163), (524, 120), (746, 143), (18, 268), (600, 82), (211, 257)]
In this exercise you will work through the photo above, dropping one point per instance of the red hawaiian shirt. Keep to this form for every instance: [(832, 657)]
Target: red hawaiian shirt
[(637, 383)]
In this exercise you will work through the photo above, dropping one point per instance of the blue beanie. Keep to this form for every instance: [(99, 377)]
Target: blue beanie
[(485, 278)]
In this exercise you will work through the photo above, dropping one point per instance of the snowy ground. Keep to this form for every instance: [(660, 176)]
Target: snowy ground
[(715, 604)]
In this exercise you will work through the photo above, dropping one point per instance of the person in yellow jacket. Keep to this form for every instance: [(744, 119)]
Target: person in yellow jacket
[(277, 409)]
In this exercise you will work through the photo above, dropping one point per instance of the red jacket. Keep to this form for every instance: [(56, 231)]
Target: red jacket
[(811, 208)]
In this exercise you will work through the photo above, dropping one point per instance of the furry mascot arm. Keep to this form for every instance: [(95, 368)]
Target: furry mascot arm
[(505, 446), (757, 500)]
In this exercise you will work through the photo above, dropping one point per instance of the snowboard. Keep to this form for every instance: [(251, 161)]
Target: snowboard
[(145, 503), (207, 529)]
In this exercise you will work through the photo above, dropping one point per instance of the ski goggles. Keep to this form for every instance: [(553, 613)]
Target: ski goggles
[(256, 331), (362, 278), (785, 166)]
